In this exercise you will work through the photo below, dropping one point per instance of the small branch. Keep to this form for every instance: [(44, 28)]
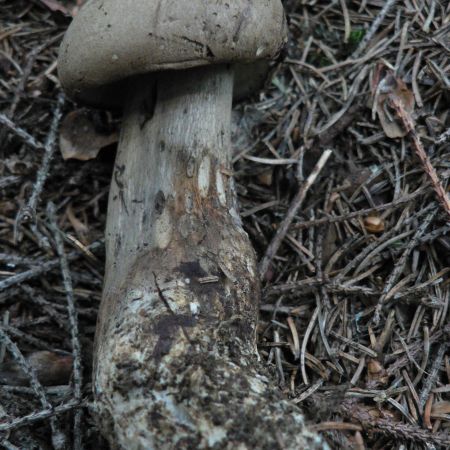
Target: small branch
[(430, 382), (392, 428), (58, 437), (416, 143), (26, 368), (405, 199), (339, 426), (373, 29), (73, 321), (443, 138), (24, 135), (34, 272), (30, 58), (39, 415), (400, 265), (27, 338), (28, 213), (416, 350), (275, 244)]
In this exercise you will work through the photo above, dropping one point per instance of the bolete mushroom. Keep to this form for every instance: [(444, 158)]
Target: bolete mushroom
[(175, 354)]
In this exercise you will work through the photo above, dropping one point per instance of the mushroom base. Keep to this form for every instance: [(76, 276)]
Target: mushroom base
[(175, 360)]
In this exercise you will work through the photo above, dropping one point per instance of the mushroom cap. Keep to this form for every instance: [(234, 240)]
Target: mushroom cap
[(112, 40)]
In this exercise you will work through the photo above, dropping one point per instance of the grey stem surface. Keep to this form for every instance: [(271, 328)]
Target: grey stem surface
[(175, 358)]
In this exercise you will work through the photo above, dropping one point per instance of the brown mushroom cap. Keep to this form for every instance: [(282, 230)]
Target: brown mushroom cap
[(112, 40)]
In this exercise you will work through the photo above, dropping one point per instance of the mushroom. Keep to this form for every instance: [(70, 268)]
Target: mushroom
[(175, 352)]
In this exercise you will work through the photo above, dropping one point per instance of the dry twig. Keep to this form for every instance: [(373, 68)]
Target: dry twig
[(273, 247)]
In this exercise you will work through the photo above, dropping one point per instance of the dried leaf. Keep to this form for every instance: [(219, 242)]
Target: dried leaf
[(79, 138), (387, 89), (51, 369)]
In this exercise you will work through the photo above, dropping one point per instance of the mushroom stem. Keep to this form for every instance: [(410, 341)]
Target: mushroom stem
[(175, 362)]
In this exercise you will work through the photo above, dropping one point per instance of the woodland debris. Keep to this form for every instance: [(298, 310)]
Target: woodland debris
[(320, 97)]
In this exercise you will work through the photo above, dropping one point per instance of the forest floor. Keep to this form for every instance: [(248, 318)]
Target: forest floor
[(355, 305)]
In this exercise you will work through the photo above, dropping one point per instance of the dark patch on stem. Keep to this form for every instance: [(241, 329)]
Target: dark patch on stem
[(148, 107), (192, 269), (160, 202), (165, 328), (166, 304)]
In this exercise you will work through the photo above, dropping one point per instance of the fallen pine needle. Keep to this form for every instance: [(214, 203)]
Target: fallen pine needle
[(416, 143), (275, 244)]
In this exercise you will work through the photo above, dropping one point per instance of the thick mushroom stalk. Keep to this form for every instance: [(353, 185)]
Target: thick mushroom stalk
[(176, 364)]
